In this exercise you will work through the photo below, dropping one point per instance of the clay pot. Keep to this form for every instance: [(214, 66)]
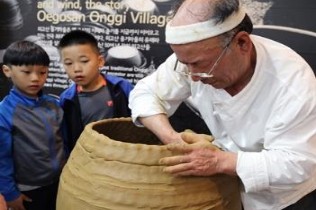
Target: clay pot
[(124, 55), (143, 6), (114, 166)]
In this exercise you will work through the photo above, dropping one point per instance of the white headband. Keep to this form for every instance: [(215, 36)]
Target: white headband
[(203, 30)]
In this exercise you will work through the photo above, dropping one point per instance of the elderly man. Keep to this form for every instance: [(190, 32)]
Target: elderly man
[(256, 96)]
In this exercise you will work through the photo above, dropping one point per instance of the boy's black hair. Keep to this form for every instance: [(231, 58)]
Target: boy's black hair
[(78, 37), (25, 53)]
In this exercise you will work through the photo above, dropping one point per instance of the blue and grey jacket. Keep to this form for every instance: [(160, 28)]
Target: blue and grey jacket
[(119, 89), (32, 148)]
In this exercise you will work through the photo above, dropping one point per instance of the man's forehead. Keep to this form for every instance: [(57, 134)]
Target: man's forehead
[(202, 30)]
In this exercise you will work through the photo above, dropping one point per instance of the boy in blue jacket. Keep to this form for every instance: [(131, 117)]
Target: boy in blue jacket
[(31, 144), (93, 96)]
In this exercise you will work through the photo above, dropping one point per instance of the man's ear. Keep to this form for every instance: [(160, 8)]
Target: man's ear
[(6, 70), (243, 41)]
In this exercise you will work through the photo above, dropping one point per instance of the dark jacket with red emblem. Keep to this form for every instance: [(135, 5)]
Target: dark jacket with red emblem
[(119, 89)]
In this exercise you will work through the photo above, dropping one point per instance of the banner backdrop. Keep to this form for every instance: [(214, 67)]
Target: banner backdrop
[(131, 32)]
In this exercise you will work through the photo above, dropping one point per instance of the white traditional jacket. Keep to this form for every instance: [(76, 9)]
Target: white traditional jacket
[(271, 123)]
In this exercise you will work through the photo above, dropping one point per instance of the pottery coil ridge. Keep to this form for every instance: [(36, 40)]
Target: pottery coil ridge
[(114, 166)]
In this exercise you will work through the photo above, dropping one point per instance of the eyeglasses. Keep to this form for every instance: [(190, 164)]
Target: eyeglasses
[(203, 75)]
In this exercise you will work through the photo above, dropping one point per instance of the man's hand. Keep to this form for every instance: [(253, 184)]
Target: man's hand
[(199, 157)]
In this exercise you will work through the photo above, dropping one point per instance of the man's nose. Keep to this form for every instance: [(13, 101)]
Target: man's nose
[(195, 78)]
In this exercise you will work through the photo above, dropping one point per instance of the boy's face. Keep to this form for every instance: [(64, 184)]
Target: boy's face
[(82, 63), (28, 79)]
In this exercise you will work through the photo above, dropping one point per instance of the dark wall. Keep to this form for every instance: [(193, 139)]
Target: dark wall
[(292, 23)]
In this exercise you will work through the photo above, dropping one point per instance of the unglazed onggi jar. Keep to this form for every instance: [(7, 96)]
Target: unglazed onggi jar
[(114, 166)]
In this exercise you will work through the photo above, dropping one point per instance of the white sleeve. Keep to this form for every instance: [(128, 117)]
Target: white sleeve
[(289, 155), (160, 92)]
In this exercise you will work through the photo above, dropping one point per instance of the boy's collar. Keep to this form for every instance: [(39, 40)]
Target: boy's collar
[(79, 87)]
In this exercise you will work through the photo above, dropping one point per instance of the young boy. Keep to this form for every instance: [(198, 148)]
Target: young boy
[(31, 145), (93, 96)]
